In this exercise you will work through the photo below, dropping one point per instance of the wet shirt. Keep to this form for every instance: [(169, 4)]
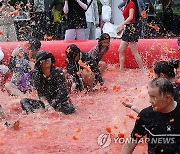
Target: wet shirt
[(52, 87), (76, 16), (97, 54), (129, 6), (176, 91), (162, 130)]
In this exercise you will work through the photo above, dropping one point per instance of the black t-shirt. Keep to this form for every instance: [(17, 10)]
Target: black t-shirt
[(52, 87), (176, 91), (76, 16), (162, 130)]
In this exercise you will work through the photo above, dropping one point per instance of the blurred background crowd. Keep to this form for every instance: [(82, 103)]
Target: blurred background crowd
[(46, 20)]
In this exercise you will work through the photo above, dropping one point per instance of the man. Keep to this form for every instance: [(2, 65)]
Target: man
[(76, 19), (160, 121)]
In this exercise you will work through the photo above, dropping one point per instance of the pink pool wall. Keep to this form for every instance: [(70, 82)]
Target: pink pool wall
[(150, 50)]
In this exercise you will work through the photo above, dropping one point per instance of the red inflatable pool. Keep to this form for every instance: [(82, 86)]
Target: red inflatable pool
[(150, 50)]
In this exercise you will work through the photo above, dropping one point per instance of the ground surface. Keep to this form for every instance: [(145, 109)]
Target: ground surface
[(97, 113)]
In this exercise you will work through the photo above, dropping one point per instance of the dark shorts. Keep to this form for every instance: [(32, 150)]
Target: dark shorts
[(131, 33)]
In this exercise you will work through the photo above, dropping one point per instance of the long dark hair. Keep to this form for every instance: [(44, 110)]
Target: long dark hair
[(103, 36), (137, 9)]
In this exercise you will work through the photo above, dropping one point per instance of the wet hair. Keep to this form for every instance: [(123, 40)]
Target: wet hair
[(137, 9), (72, 51), (35, 43), (164, 85), (166, 68), (104, 36)]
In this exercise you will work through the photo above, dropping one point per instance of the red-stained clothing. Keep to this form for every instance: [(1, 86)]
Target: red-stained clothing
[(126, 11)]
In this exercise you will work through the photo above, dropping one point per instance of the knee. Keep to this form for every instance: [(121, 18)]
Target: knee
[(8, 85), (102, 66), (26, 106)]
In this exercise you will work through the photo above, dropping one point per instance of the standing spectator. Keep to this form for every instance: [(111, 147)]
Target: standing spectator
[(58, 17), (39, 18), (76, 19), (92, 18), (167, 15), (7, 28), (130, 35)]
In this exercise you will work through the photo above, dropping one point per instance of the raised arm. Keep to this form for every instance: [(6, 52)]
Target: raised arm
[(66, 7), (81, 4)]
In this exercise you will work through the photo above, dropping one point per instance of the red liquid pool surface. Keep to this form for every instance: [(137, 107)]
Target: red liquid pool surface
[(97, 113)]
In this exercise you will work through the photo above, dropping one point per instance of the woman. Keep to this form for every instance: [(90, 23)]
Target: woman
[(166, 70), (98, 51), (83, 69), (130, 34), (51, 86)]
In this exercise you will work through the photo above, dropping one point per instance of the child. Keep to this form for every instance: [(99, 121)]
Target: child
[(18, 65)]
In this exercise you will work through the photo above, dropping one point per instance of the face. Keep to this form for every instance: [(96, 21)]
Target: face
[(46, 63), (158, 101), (105, 43)]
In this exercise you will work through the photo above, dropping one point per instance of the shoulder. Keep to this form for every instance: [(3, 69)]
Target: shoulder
[(93, 49), (147, 112), (131, 4)]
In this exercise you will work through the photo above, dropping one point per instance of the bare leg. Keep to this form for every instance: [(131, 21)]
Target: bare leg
[(13, 89), (121, 50), (134, 49)]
